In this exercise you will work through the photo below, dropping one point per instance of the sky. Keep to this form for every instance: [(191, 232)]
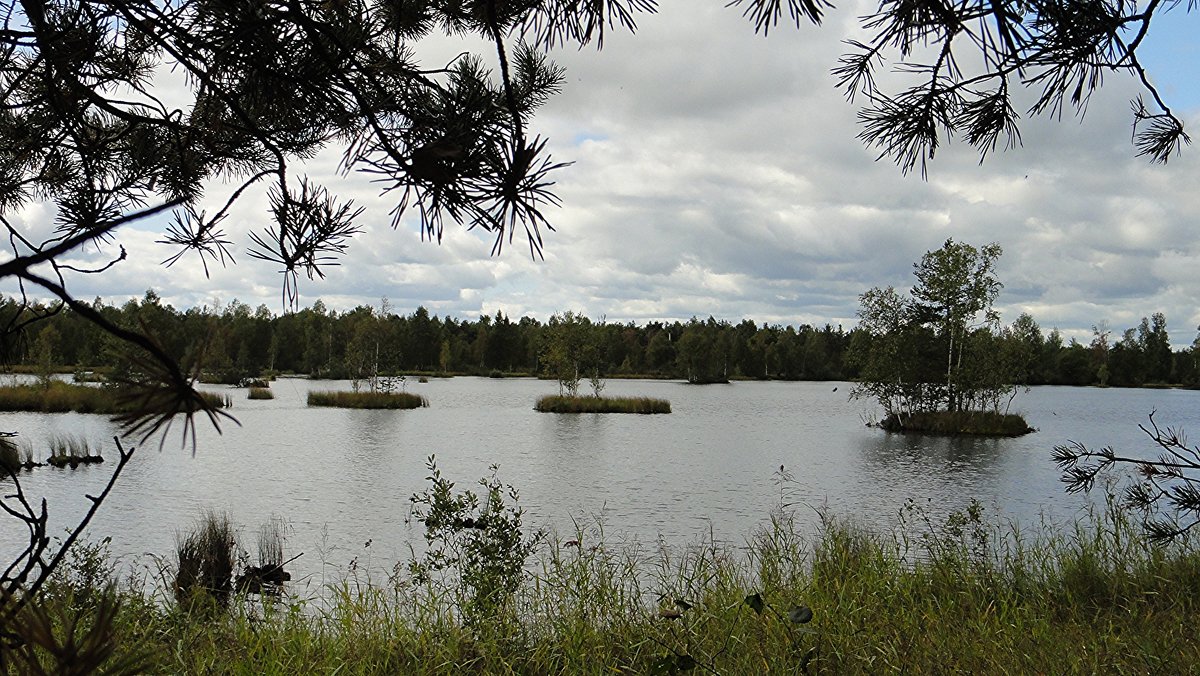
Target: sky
[(717, 172)]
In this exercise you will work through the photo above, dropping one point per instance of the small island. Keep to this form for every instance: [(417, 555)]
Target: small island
[(553, 403), (936, 360), (572, 350), (384, 400)]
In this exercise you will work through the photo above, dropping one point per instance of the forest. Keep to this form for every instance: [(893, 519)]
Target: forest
[(236, 342)]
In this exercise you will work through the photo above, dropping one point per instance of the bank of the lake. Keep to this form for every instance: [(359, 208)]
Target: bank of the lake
[(953, 596)]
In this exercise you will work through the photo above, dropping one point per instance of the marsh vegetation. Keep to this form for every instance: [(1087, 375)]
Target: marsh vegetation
[(385, 400), (553, 403)]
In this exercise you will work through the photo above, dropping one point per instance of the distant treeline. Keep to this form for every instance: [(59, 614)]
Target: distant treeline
[(239, 342)]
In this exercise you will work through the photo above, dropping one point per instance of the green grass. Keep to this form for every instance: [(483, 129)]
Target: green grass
[(959, 597), (60, 397), (367, 400), (983, 423), (562, 404), (260, 393)]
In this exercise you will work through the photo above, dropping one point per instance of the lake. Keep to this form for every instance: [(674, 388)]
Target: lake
[(342, 478)]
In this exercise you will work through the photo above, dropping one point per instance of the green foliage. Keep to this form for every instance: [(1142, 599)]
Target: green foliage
[(941, 349), (566, 404), (394, 400), (475, 544), (317, 341), (570, 351)]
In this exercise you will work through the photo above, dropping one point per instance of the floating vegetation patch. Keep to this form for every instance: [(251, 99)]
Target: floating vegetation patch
[(71, 451), (562, 404), (367, 400)]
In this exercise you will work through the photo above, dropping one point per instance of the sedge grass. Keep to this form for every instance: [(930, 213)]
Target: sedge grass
[(564, 404), (61, 397), (68, 450), (260, 393), (1096, 599), (391, 400)]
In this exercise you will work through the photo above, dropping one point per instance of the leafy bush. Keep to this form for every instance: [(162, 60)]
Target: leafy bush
[(475, 546)]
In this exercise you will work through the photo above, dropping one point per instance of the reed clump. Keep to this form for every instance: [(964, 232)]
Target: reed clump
[(565, 404), (71, 451), (392, 400), (260, 393), (205, 559)]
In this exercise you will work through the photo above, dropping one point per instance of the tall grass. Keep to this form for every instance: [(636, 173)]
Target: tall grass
[(367, 400), (260, 393), (960, 596), (205, 558), (70, 450), (564, 404)]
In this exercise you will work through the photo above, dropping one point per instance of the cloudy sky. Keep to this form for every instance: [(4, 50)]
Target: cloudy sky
[(717, 173)]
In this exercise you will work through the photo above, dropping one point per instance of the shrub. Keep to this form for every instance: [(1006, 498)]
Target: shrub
[(476, 547)]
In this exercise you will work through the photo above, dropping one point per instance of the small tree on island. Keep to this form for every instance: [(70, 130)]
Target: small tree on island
[(939, 351), (570, 352)]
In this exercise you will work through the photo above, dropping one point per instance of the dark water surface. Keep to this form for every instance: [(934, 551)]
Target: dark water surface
[(343, 477)]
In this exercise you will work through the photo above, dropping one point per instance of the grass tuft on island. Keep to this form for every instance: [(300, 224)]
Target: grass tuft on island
[(367, 400), (562, 404), (260, 393), (953, 423), (60, 397)]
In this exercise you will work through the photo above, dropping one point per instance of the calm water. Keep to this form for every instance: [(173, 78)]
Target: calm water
[(341, 478)]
